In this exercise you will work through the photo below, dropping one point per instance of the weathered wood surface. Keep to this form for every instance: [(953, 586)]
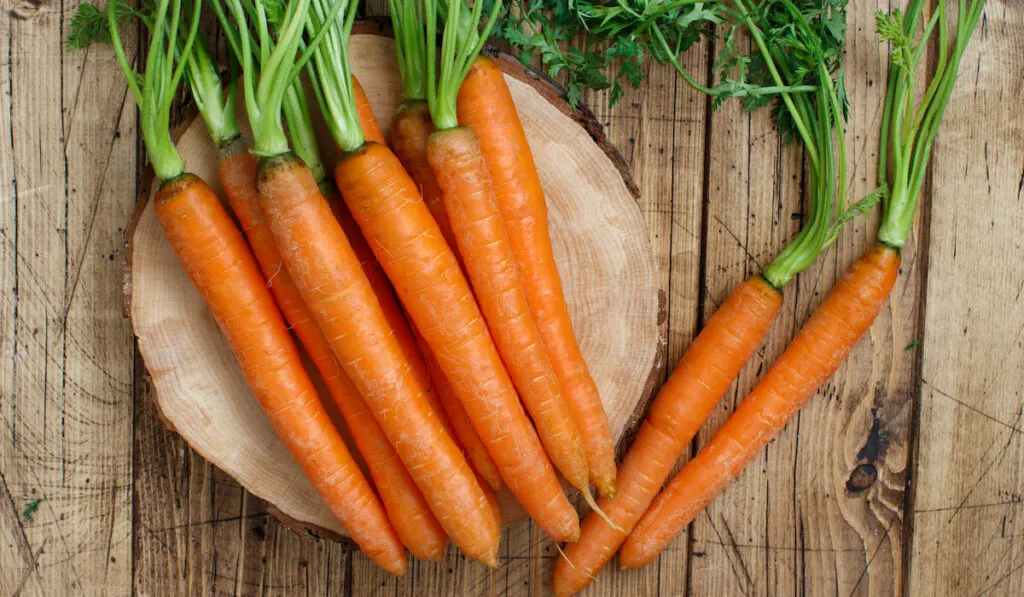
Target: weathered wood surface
[(902, 476)]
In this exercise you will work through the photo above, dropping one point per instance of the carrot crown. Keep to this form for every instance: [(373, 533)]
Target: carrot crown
[(331, 75), (908, 131), (154, 89), (89, 25), (268, 64), (410, 47), (460, 45)]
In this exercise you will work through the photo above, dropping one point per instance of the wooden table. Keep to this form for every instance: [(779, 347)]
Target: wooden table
[(903, 475)]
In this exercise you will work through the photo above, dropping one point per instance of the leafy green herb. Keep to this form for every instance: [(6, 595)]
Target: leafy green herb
[(89, 24), (31, 507), (784, 53)]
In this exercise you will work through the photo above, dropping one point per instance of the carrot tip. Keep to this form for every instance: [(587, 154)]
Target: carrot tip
[(597, 510)]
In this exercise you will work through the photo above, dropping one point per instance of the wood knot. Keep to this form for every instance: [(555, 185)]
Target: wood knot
[(862, 477), (27, 9)]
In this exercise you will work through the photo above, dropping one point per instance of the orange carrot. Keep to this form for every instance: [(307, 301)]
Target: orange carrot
[(222, 268), (700, 379), (408, 511), (410, 131), (416, 350), (386, 297), (458, 418), (816, 352), (457, 162), (485, 106), (408, 244), (334, 287), (364, 111)]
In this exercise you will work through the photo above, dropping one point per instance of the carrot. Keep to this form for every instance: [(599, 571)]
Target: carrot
[(226, 275), (220, 265), (406, 507), (333, 285), (485, 106), (816, 352), (458, 419), (391, 214), (692, 391), (811, 111), (469, 200), (329, 277), (416, 350), (851, 307), (410, 131), (423, 270)]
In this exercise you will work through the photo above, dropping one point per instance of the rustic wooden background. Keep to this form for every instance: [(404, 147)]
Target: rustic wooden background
[(904, 475)]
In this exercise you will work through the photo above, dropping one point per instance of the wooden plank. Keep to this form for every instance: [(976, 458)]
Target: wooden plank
[(970, 459), (789, 523), (67, 425)]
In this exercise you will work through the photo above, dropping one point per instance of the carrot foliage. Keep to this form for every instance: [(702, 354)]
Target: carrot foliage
[(172, 38), (410, 46), (330, 73), (783, 53), (265, 39), (216, 105), (294, 105), (460, 45), (909, 126)]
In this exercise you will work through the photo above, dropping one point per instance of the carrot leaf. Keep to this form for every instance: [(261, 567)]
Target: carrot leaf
[(170, 48), (330, 73), (460, 44), (911, 120), (410, 46), (268, 40)]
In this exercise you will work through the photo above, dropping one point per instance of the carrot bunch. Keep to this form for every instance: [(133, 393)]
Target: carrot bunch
[(421, 279)]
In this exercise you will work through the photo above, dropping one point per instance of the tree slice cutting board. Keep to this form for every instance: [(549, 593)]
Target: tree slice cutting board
[(600, 243)]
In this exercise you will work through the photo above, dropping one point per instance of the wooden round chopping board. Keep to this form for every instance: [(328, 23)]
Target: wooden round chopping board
[(600, 243)]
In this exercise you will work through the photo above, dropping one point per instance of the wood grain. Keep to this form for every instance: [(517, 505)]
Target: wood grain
[(821, 513), (67, 169), (970, 468)]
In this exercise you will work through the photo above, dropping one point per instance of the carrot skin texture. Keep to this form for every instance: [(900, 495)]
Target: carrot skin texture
[(219, 262), (406, 507), (408, 244), (461, 425), (703, 375), (334, 287), (818, 349), (485, 106), (410, 133), (386, 297), (364, 111), (468, 193), (413, 345)]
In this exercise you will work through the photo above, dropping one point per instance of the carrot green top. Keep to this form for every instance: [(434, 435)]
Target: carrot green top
[(330, 73), (410, 47), (269, 67), (169, 50), (908, 131), (785, 52), (460, 45), (216, 107)]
